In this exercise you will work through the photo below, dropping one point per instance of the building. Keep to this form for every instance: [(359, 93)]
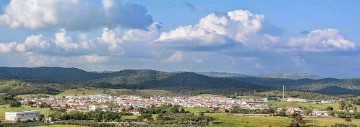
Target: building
[(296, 100), (320, 113), (269, 99), (23, 116), (97, 107)]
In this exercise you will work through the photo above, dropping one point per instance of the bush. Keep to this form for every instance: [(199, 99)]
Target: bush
[(15, 104)]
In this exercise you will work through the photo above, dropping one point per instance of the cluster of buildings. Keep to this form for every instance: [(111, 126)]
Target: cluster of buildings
[(131, 104), (108, 102)]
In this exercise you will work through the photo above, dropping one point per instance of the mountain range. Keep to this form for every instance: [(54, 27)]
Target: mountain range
[(53, 80)]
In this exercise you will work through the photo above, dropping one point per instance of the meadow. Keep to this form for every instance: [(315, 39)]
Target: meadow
[(116, 92), (329, 121), (306, 105), (229, 120)]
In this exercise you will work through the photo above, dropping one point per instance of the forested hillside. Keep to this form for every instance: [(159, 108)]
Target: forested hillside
[(65, 78), (55, 79)]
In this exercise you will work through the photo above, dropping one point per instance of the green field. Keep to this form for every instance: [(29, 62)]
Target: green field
[(132, 117), (196, 110), (209, 95), (81, 91), (228, 120), (6, 108), (61, 126), (329, 121), (307, 105), (116, 92), (33, 95)]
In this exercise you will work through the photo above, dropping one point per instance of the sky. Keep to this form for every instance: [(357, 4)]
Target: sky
[(240, 36)]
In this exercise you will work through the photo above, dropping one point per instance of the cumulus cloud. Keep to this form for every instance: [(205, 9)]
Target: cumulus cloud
[(73, 14), (111, 42), (322, 41), (235, 26)]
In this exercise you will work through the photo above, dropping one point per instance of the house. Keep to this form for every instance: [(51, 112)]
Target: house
[(22, 116), (296, 100), (269, 99), (134, 112), (290, 111), (222, 110), (320, 113), (97, 107)]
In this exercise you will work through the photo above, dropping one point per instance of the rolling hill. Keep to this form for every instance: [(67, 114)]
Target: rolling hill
[(55, 79), (180, 82)]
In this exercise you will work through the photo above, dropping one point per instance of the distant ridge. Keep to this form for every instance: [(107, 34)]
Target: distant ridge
[(185, 82), (294, 76), (23, 80), (291, 76), (223, 74)]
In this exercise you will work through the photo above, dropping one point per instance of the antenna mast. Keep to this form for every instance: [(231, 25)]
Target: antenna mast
[(283, 96)]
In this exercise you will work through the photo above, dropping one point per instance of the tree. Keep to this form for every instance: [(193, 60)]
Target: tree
[(18, 120), (342, 105), (355, 108), (182, 110), (329, 108), (297, 120), (348, 119), (15, 104)]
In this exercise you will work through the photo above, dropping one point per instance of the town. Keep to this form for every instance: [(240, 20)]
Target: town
[(135, 107)]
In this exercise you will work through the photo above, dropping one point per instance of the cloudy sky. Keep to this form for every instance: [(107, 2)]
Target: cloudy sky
[(252, 37)]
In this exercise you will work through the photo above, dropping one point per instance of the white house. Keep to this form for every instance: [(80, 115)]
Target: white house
[(23, 116), (320, 113), (296, 100), (96, 107)]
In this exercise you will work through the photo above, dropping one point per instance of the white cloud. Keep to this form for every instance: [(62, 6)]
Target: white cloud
[(64, 41), (73, 14), (238, 25), (7, 47), (322, 41), (94, 58), (111, 42), (108, 3)]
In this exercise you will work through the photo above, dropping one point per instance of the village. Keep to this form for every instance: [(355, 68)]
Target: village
[(132, 104)]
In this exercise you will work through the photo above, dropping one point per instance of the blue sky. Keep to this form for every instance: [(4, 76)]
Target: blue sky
[(247, 36)]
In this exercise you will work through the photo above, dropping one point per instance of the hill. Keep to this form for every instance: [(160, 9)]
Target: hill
[(180, 82), (291, 76), (56, 80)]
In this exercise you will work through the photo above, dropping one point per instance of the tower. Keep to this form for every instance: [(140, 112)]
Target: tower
[(283, 93)]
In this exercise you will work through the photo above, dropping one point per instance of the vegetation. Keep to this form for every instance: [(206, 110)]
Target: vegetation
[(7, 108), (48, 80), (252, 111), (55, 80), (329, 121), (173, 115), (15, 103), (306, 105), (99, 116), (228, 120)]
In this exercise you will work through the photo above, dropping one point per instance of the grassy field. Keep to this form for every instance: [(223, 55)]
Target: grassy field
[(209, 95), (33, 95), (132, 117), (81, 91), (196, 110), (117, 92), (329, 121), (61, 126), (307, 105), (6, 108), (227, 120), (144, 93)]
